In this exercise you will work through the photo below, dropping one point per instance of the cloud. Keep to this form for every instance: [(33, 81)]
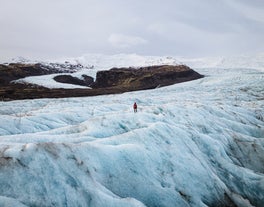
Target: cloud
[(48, 28), (125, 41)]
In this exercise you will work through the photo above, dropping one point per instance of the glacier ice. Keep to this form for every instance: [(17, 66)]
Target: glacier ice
[(198, 143)]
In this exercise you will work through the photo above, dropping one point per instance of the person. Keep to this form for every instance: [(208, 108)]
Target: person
[(135, 107)]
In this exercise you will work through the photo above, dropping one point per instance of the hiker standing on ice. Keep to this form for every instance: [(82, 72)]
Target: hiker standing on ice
[(135, 107)]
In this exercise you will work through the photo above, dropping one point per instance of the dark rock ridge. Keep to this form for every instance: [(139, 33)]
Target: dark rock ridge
[(115, 80), (86, 81), (145, 77), (16, 71)]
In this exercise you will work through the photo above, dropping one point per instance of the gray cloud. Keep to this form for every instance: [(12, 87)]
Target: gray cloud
[(55, 28)]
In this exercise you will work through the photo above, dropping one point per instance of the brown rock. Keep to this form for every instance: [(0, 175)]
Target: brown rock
[(88, 81), (145, 77)]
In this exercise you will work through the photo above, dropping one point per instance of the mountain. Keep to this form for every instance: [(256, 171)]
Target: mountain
[(198, 143)]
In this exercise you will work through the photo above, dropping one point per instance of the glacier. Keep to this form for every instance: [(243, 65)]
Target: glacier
[(198, 143), (91, 63)]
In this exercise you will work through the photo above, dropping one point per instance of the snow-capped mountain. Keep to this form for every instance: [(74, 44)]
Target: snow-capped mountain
[(198, 143)]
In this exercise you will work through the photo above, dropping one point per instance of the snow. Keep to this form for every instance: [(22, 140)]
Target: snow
[(47, 81), (198, 143)]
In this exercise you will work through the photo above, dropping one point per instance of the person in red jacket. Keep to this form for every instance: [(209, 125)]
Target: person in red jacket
[(135, 107)]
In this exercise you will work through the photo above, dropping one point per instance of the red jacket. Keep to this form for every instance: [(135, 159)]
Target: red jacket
[(135, 106)]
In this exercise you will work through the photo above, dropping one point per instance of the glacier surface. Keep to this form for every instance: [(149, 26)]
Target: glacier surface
[(198, 143)]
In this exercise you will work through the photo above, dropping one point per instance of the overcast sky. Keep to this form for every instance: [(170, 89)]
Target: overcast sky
[(194, 28)]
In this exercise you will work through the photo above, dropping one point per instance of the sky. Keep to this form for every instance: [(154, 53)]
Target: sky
[(68, 28)]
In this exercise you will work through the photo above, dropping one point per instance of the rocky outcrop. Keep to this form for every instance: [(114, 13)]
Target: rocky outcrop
[(15, 71), (86, 81), (145, 77)]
